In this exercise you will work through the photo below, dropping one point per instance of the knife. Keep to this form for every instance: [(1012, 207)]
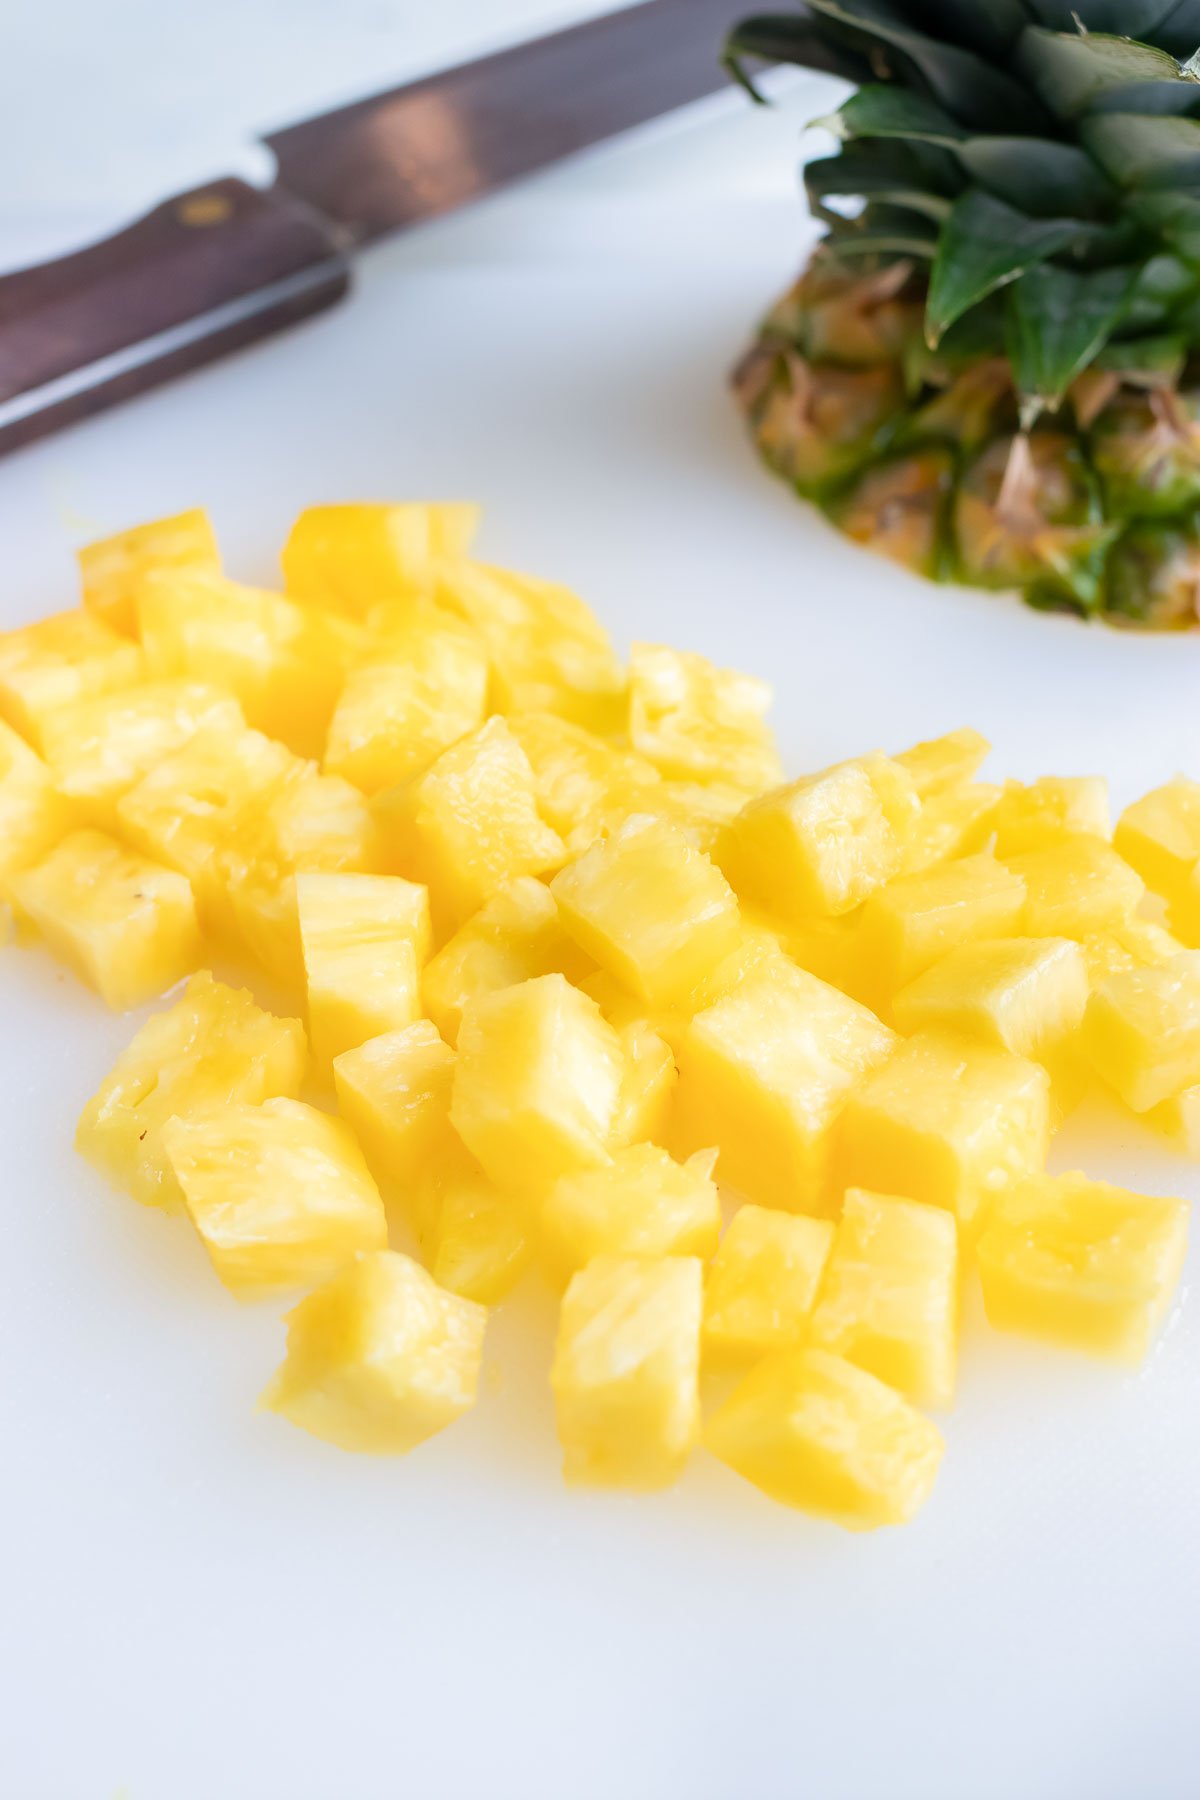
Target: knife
[(224, 265)]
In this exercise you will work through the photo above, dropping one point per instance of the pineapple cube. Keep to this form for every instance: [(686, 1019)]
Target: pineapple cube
[(351, 557), (956, 821), (184, 812), (626, 1370), (514, 936), (581, 780), (1082, 1264), (395, 1092), (944, 762), (1022, 994), (1141, 1031), (822, 844), (537, 1082), (1075, 888), (380, 1358), (284, 663), (407, 704), (470, 823), (946, 1121), (915, 920), (642, 1203), (475, 1237), (655, 913), (364, 939), (279, 1193), (126, 925), (764, 1073), (826, 947), (1133, 944), (1159, 836), (112, 568), (697, 722), (1038, 816), (889, 1300), (214, 1048), (549, 653), (98, 748), (305, 822), (763, 1282), (64, 658), (816, 1433), (33, 816), (647, 1085)]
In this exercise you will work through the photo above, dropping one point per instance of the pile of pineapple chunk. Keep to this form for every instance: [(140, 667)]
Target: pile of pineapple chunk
[(579, 977)]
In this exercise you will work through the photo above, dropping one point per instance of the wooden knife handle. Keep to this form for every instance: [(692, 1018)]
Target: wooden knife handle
[(201, 275)]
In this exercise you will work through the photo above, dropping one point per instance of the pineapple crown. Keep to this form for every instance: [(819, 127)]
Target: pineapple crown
[(1042, 157)]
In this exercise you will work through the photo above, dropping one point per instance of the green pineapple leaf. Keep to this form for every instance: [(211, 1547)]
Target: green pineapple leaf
[(1057, 321), (1071, 72), (878, 111), (1163, 355), (789, 38), (1145, 153), (1174, 217), (1179, 32), (971, 89), (983, 246), (839, 177), (989, 26), (1125, 18), (1037, 175)]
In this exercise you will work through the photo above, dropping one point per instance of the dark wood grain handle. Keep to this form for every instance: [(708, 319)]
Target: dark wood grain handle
[(203, 274)]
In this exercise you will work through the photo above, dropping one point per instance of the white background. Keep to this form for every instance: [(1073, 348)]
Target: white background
[(197, 1602)]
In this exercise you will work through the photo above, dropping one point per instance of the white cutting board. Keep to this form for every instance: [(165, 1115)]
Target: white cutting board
[(198, 1602)]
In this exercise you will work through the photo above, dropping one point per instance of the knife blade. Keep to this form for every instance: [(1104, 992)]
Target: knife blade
[(216, 269)]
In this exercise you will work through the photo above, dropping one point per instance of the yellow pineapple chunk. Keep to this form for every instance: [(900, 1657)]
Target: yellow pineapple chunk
[(1132, 944), (514, 936), (33, 815), (582, 782), (763, 1075), (112, 568), (948, 1121), (697, 722), (1159, 836), (826, 947), (537, 1082), (816, 1433), (395, 1092), (1076, 887), (763, 1282), (915, 920), (889, 1299), (279, 1193), (380, 1358), (647, 1085), (1022, 994), (476, 1237), (185, 811), (469, 823), (1141, 1031), (944, 762), (955, 821), (364, 939), (64, 658), (822, 844), (410, 701), (549, 653), (214, 1048), (1037, 816), (655, 913), (98, 748), (626, 1371), (126, 925), (305, 822), (1082, 1264), (352, 557), (285, 663), (642, 1203)]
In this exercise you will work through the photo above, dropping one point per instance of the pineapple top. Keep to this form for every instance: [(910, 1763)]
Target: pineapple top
[(1039, 159)]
